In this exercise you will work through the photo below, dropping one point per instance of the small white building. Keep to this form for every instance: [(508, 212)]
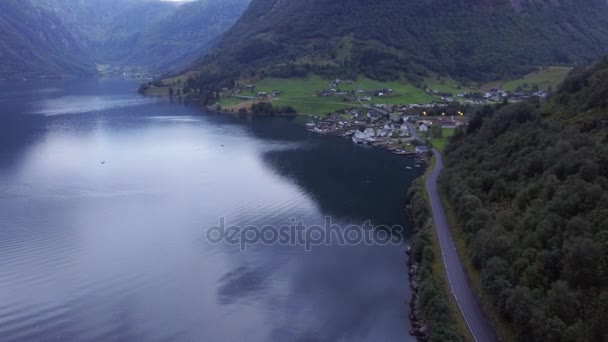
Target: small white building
[(422, 149), (423, 128), (362, 137)]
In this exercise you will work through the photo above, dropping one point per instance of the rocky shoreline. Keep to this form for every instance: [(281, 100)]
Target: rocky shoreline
[(432, 319), (419, 328)]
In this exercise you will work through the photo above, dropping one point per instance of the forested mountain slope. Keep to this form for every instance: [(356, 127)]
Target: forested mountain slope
[(34, 43), (466, 39), (530, 187)]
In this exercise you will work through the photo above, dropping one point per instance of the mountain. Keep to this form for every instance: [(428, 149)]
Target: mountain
[(180, 38), (529, 188), (95, 21), (151, 35), (465, 39), (36, 43)]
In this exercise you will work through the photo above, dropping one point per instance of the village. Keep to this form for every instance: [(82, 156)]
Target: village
[(396, 132), (394, 127), (403, 129)]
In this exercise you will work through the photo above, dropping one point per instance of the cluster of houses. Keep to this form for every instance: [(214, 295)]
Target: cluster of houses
[(394, 130), (331, 92), (363, 95), (372, 127), (334, 88), (491, 95), (498, 95), (265, 95), (401, 109), (374, 134), (262, 94)]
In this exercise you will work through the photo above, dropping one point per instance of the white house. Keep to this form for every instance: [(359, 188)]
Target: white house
[(422, 149), (423, 128), (362, 137), (370, 132)]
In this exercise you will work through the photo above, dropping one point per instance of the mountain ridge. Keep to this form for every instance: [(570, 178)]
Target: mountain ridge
[(35, 43), (466, 39), (177, 40), (111, 37)]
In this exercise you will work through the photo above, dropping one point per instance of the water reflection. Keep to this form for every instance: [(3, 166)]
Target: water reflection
[(102, 219)]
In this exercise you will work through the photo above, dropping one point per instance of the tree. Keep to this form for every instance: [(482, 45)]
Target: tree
[(562, 302), (582, 262)]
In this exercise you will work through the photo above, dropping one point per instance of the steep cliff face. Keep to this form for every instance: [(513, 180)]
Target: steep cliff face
[(467, 39), (34, 43)]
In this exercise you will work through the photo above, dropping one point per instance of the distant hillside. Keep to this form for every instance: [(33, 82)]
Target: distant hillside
[(149, 35), (95, 21), (34, 43), (465, 39), (180, 38), (529, 187)]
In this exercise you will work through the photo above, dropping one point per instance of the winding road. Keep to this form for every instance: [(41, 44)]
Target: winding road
[(469, 306)]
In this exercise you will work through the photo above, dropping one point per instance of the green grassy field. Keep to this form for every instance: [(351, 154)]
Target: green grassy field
[(543, 78), (404, 93), (229, 101), (447, 85), (441, 143), (300, 93)]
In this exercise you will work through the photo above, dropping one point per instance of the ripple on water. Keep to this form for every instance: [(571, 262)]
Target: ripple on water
[(87, 104)]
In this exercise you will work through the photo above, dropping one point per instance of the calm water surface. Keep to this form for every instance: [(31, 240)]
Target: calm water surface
[(105, 198)]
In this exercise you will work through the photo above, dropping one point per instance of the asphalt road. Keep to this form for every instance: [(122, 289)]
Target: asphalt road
[(469, 306)]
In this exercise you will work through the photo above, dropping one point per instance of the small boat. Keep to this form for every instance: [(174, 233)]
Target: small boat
[(400, 152), (409, 168)]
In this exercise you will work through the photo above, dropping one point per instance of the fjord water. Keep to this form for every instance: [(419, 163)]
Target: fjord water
[(105, 197)]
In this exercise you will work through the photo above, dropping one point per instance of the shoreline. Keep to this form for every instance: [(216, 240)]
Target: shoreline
[(386, 144), (418, 326), (433, 314)]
